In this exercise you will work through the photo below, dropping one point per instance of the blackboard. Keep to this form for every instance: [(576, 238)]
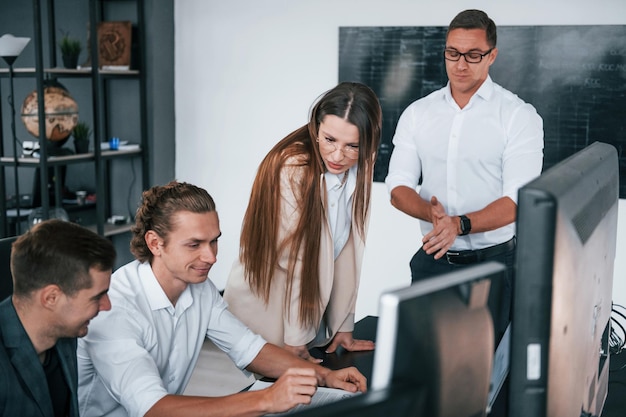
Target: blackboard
[(575, 76)]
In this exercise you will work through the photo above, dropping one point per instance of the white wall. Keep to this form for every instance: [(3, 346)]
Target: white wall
[(247, 72)]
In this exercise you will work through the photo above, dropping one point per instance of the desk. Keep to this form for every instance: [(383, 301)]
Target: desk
[(398, 401), (391, 403), (363, 329)]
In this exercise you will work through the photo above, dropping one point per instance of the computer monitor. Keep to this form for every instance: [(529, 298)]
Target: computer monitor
[(566, 240), (437, 335)]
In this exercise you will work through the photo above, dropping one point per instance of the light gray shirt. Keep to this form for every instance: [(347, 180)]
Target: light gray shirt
[(145, 348), (340, 195)]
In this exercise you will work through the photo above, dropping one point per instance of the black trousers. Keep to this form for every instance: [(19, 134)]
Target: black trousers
[(501, 295)]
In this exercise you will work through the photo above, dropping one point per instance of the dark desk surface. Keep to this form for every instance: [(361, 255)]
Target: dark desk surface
[(615, 405), (363, 329), (399, 401)]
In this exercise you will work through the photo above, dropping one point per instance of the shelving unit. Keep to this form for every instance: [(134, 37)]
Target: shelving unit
[(102, 112)]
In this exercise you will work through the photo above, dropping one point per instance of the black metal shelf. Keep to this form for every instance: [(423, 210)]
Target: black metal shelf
[(70, 73), (70, 159), (44, 19)]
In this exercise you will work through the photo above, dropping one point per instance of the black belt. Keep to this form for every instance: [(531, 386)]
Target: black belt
[(465, 257)]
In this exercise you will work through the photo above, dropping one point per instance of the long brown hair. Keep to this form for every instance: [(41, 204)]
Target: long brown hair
[(297, 158)]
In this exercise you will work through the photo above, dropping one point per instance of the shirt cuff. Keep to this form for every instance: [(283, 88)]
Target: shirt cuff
[(248, 347)]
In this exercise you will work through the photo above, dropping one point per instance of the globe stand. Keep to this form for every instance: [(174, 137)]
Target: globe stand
[(61, 117)]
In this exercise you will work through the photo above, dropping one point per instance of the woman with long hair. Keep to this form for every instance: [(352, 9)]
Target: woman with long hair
[(304, 231)]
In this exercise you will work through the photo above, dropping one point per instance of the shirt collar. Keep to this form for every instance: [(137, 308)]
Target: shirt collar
[(333, 181), (485, 91), (156, 296)]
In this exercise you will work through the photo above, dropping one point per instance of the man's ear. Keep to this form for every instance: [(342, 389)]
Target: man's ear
[(492, 56), (154, 242), (50, 295)]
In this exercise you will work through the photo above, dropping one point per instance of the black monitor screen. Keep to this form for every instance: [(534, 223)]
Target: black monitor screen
[(437, 335), (566, 231)]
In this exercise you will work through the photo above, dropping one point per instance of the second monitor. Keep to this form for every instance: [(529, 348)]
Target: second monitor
[(434, 350), (437, 335)]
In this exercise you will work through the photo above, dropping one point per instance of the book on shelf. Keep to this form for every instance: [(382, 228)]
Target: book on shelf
[(114, 45)]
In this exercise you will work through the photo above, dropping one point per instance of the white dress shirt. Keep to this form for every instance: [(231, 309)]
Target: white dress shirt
[(340, 194), (145, 348), (468, 157)]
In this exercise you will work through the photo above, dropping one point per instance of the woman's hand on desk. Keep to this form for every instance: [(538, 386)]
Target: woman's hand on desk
[(345, 340)]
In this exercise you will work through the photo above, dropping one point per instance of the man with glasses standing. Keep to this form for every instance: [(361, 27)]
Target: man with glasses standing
[(473, 144)]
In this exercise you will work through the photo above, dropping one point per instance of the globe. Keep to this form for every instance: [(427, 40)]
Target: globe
[(60, 109)]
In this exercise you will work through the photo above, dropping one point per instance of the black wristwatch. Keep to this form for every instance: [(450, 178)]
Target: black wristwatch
[(466, 225)]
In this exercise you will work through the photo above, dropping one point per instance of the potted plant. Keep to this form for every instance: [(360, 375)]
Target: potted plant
[(81, 133), (70, 51)]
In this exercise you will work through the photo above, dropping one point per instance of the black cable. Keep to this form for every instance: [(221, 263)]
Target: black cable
[(616, 343), (620, 314), (617, 337)]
